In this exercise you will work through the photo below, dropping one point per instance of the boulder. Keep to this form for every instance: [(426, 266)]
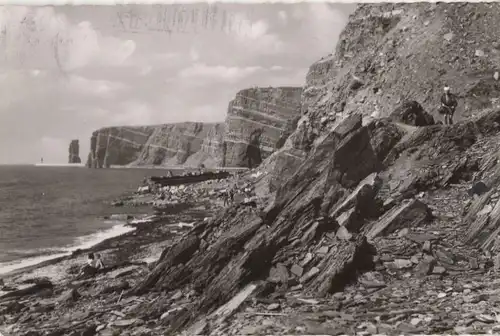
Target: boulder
[(412, 113)]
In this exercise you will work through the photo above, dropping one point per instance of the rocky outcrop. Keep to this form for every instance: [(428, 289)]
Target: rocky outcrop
[(396, 58), (412, 113), (326, 197), (190, 144), (117, 145), (246, 245), (390, 53), (74, 152), (257, 122)]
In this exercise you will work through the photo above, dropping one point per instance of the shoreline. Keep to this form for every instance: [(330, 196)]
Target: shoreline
[(52, 294), (135, 227), (131, 199), (47, 260)]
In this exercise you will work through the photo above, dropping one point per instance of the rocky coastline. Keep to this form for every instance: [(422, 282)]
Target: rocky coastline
[(369, 217), (32, 292)]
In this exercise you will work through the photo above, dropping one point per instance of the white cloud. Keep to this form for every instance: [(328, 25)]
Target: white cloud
[(39, 34), (255, 35), (277, 68), (95, 87), (86, 45), (283, 16), (35, 72), (145, 70), (133, 113), (89, 113), (194, 54), (220, 72), (325, 23)]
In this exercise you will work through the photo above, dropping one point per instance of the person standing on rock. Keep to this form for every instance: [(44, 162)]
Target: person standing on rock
[(448, 105)]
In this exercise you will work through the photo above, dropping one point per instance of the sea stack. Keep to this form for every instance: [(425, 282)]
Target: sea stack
[(74, 152)]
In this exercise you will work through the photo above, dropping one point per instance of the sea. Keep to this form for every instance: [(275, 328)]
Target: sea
[(47, 212)]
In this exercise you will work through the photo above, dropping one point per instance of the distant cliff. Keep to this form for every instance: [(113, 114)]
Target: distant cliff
[(74, 152), (256, 122)]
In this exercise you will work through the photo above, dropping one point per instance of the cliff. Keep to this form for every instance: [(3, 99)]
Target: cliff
[(370, 218), (257, 120), (117, 145), (74, 152), (389, 53), (353, 193), (392, 54)]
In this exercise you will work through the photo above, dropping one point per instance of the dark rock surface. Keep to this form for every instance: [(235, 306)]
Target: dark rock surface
[(74, 152), (412, 113)]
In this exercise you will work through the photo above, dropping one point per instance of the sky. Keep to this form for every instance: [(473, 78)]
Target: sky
[(67, 71)]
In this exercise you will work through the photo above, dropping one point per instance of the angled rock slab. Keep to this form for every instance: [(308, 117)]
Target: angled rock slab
[(485, 230), (411, 213), (369, 183), (340, 265)]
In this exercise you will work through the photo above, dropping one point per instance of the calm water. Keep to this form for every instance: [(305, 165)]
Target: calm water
[(47, 210)]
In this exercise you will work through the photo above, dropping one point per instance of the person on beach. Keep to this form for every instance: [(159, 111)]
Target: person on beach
[(99, 263), (92, 266)]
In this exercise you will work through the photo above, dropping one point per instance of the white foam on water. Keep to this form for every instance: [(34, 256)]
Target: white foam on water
[(84, 242)]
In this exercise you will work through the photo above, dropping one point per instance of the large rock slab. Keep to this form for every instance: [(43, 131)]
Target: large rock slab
[(411, 213), (483, 218)]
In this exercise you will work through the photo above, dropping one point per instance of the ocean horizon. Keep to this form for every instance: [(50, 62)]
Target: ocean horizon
[(50, 211)]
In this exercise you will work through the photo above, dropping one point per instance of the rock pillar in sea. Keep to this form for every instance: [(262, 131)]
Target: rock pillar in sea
[(74, 152)]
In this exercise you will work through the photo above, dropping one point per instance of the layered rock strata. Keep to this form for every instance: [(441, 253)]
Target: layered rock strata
[(257, 121)]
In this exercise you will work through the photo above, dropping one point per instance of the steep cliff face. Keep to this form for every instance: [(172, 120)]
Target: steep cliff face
[(257, 122), (190, 144), (74, 152), (389, 54), (117, 145)]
